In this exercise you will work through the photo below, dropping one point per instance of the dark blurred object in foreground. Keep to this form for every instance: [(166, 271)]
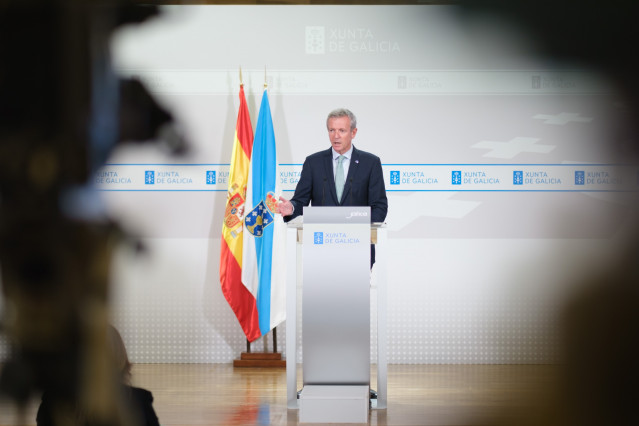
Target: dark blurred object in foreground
[(597, 378), (62, 111), (594, 34), (138, 402)]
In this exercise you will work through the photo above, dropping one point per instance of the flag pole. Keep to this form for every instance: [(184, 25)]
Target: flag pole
[(265, 85), (241, 83), (275, 339)]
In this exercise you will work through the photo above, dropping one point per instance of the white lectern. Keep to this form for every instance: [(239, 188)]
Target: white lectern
[(335, 313)]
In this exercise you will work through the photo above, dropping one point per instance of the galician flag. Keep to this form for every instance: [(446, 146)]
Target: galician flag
[(240, 299), (263, 271)]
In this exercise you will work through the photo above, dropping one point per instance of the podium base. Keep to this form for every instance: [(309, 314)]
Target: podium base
[(334, 404), (260, 360)]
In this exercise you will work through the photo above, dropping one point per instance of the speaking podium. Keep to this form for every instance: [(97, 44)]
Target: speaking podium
[(332, 244)]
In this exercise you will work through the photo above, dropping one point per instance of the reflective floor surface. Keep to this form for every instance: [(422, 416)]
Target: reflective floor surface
[(218, 394)]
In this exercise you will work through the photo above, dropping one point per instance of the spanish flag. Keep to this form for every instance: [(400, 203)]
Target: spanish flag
[(237, 295)]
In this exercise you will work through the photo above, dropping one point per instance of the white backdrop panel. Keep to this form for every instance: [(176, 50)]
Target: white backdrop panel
[(477, 272)]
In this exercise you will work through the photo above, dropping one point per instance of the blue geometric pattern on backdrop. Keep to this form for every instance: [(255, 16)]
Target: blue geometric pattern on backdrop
[(456, 177), (210, 177), (518, 177), (149, 177), (394, 177)]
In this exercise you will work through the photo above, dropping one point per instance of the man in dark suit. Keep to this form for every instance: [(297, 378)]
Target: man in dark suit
[(340, 176)]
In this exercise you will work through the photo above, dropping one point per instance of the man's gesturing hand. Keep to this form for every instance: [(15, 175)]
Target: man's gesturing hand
[(285, 207)]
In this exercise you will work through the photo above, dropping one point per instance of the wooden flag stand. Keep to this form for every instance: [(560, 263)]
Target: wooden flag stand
[(250, 359)]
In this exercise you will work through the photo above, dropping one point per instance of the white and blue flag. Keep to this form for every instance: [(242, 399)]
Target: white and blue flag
[(263, 260)]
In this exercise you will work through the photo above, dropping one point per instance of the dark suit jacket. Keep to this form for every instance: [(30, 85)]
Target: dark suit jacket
[(364, 185)]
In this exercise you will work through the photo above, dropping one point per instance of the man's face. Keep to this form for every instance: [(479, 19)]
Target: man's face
[(340, 133)]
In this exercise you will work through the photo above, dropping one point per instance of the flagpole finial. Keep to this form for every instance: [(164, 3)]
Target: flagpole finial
[(241, 82), (265, 85)]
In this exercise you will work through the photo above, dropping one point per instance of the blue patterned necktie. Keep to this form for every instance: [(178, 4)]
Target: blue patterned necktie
[(339, 178)]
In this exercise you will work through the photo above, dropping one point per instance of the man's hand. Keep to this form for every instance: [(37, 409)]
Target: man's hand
[(285, 207)]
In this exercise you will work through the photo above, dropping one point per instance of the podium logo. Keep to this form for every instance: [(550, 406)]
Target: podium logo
[(357, 214), (210, 177), (580, 177), (457, 177), (394, 177), (315, 40), (318, 238), (518, 177), (149, 177)]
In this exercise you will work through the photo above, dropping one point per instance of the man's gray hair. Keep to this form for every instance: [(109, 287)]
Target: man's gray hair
[(342, 112)]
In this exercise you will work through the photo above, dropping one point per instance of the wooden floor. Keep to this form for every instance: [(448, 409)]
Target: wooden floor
[(218, 394)]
